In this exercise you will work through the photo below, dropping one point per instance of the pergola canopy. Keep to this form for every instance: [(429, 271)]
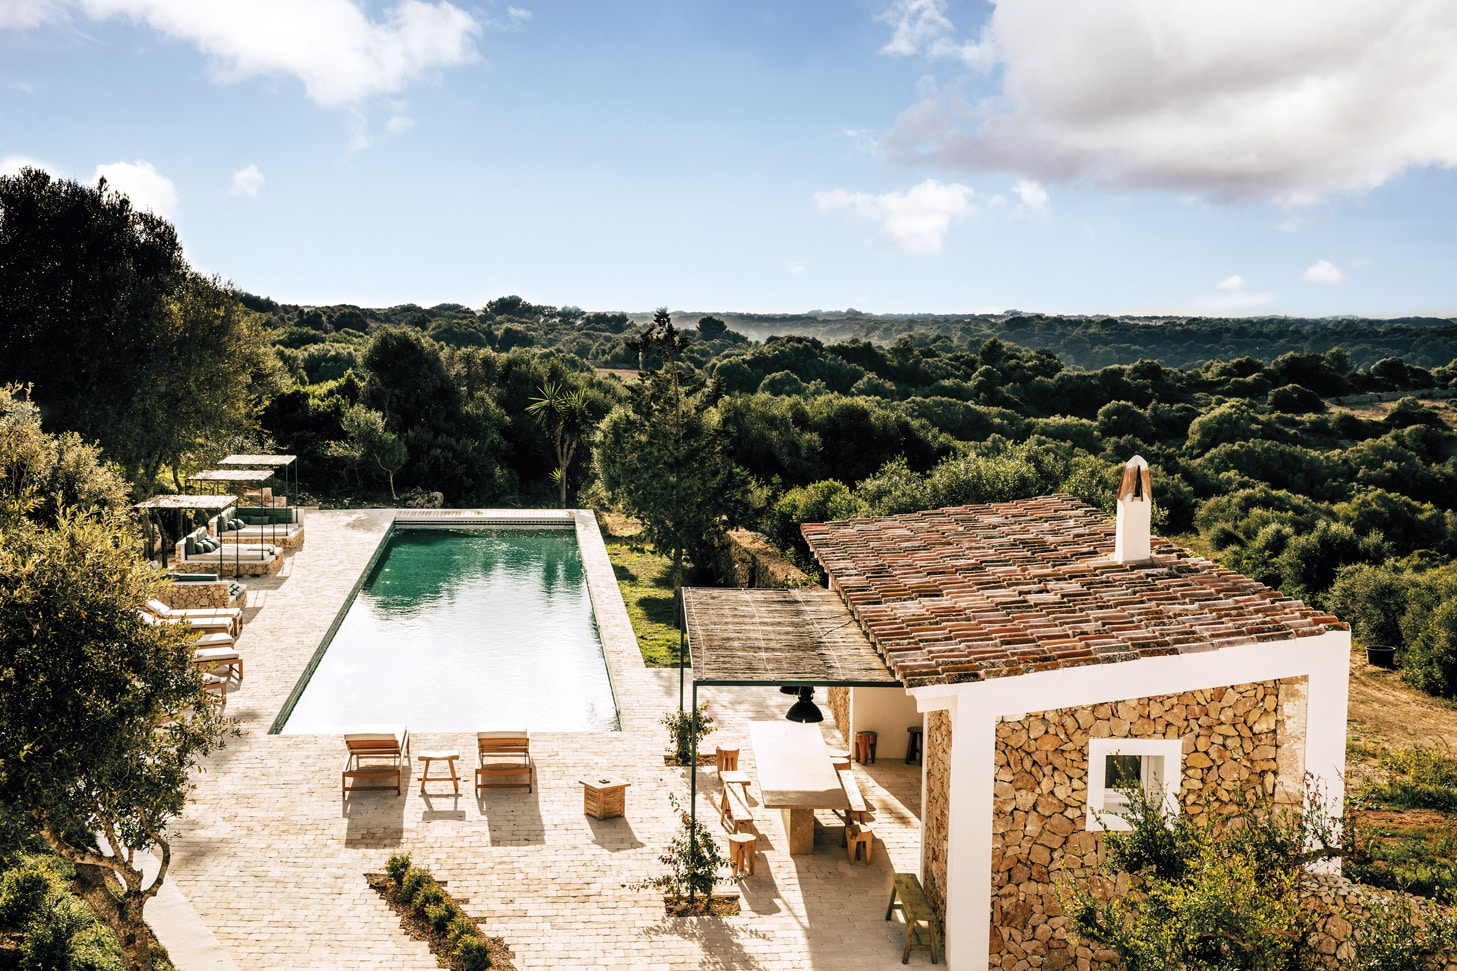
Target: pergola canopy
[(269, 461), (782, 637), (232, 475), (185, 501)]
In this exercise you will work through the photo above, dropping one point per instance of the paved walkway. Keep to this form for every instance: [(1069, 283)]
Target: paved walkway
[(272, 858)]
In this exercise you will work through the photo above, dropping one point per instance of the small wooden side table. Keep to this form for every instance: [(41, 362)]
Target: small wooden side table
[(604, 797), (429, 758)]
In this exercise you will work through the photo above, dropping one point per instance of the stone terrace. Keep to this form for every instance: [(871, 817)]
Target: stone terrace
[(272, 858)]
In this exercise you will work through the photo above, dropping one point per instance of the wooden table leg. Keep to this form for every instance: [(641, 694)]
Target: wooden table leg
[(799, 827)]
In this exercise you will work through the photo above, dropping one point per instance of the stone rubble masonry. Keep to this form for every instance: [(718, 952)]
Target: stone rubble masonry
[(936, 818), (838, 700), (1233, 739), (183, 596), (1336, 902)]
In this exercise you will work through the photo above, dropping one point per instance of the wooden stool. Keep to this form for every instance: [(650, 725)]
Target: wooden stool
[(917, 911), (440, 755), (913, 746), (726, 761), (859, 838), (865, 747), (741, 853)]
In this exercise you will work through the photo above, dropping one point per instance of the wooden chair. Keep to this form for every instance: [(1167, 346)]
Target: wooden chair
[(729, 774), (504, 753), (377, 754)]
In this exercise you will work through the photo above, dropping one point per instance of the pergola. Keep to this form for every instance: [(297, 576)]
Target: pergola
[(271, 462), (787, 638), (232, 476), (181, 504)]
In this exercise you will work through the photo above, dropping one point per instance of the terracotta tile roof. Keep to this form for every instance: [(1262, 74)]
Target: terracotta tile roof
[(975, 592)]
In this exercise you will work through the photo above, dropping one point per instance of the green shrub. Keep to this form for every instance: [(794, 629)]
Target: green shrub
[(414, 881), (397, 867), (462, 926), (1391, 936), (47, 945), (429, 896), (23, 894), (473, 953), (439, 916), (686, 730)]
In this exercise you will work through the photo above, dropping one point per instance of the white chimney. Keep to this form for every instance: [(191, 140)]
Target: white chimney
[(1135, 514)]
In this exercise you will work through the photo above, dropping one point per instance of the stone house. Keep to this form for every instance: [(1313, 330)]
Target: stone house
[(1054, 654)]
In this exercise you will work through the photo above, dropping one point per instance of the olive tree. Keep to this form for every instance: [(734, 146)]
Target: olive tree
[(102, 715)]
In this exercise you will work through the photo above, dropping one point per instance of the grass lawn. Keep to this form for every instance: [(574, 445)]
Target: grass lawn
[(646, 582)]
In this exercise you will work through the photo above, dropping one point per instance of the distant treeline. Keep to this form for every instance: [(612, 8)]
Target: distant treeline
[(1088, 342)]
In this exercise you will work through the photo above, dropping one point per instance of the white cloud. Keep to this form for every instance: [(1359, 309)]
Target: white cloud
[(1233, 293), (12, 164), (1323, 272), (921, 28), (796, 269), (1239, 99), (142, 184), (246, 181), (518, 15), (1033, 197), (399, 123), (342, 56), (914, 221), (23, 14)]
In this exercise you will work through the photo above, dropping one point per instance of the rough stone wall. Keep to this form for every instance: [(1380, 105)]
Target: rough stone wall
[(1336, 902), (747, 559), (193, 595), (839, 701), (1232, 739), (936, 812)]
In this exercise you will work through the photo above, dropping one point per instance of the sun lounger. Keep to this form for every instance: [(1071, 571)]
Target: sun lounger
[(504, 753), (210, 659), (208, 619), (377, 754)]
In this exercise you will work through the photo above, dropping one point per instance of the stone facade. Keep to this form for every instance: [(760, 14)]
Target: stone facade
[(184, 596), (838, 700), (1335, 902), (1232, 741), (936, 813)]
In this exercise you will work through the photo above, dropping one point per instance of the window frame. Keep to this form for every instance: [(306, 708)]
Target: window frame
[(1164, 776)]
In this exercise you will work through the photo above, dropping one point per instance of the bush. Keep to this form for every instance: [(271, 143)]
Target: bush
[(397, 867), (459, 928), (24, 892), (440, 916), (473, 954), (429, 896), (414, 880), (1371, 599), (48, 937), (693, 860), (1391, 936), (686, 730)]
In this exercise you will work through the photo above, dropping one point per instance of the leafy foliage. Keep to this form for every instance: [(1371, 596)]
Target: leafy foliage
[(694, 863), (686, 729)]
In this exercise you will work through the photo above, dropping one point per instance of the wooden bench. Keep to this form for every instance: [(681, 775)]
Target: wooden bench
[(734, 811), (917, 912), (857, 809)]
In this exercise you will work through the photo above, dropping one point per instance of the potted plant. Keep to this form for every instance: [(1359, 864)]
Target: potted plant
[(695, 867)]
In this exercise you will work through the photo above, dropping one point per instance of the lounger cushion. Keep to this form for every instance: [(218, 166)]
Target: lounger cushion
[(503, 733), (378, 734)]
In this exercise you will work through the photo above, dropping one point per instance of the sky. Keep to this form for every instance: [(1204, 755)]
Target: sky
[(1244, 157)]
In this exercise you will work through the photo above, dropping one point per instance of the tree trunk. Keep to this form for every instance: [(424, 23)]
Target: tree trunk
[(122, 916)]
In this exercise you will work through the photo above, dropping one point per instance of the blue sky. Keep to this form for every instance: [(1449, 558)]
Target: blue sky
[(1125, 156)]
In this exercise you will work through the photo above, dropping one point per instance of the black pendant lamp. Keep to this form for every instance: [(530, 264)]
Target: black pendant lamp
[(805, 710)]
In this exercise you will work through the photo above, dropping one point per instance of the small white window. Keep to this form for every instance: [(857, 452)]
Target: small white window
[(1153, 764)]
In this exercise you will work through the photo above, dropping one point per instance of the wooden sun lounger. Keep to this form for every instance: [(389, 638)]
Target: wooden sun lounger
[(504, 753), (201, 618), (376, 754)]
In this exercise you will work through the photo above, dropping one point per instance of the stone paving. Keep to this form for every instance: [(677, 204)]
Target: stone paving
[(272, 857)]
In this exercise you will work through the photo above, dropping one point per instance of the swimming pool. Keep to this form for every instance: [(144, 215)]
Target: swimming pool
[(458, 627)]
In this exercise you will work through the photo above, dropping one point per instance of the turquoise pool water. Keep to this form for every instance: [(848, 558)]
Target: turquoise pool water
[(457, 628)]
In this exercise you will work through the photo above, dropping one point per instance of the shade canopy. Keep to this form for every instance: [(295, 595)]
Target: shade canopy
[(232, 475), (770, 636), (267, 461), (184, 501)]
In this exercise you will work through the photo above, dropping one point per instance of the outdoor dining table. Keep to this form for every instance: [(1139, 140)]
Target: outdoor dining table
[(796, 776)]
